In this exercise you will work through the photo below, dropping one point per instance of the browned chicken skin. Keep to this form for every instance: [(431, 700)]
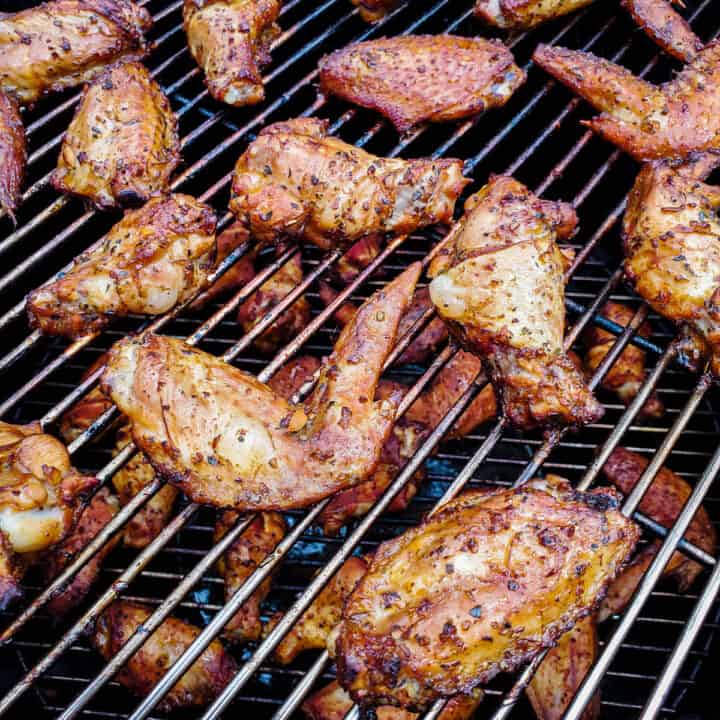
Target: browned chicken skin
[(156, 257), (13, 154), (228, 440), (205, 679), (479, 587), (373, 10), (517, 14), (230, 40), (357, 257), (296, 180), (417, 78), (122, 145), (498, 283), (64, 43)]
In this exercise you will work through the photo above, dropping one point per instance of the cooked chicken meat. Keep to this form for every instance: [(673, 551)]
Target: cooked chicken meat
[(498, 283), (230, 40), (518, 14), (156, 257), (296, 180), (417, 78), (357, 257), (645, 120), (13, 154), (228, 440), (479, 587), (205, 679), (64, 43), (122, 145), (373, 10)]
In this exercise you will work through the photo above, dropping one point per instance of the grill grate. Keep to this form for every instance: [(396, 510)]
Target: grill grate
[(538, 138)]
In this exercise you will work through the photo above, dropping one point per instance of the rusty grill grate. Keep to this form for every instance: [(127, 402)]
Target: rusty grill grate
[(47, 665)]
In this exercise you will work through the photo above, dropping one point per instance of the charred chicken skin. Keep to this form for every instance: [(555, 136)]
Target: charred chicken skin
[(499, 284), (156, 257), (517, 14), (122, 145), (419, 78), (230, 40), (64, 43), (228, 440), (296, 180), (200, 685), (479, 587), (13, 154), (647, 121)]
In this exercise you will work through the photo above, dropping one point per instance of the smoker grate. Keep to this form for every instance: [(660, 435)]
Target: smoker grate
[(538, 138)]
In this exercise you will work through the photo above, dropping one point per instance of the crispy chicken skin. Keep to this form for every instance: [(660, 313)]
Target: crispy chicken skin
[(122, 144), (13, 154), (671, 235), (647, 121), (228, 440), (156, 257), (479, 587), (240, 561), (419, 78), (64, 43), (230, 40), (41, 497), (296, 180), (205, 679), (627, 375), (522, 14), (499, 284), (374, 10)]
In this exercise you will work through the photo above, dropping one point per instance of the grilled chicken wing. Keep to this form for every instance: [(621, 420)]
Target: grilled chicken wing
[(230, 40), (357, 257), (373, 10), (627, 374), (479, 587), (499, 285), (122, 145), (205, 679), (64, 43), (13, 154), (419, 78), (645, 120), (40, 497), (226, 439), (156, 257), (297, 180), (516, 14)]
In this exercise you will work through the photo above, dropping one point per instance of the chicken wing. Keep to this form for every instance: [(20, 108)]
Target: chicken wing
[(374, 10), (627, 374), (230, 40), (357, 257), (293, 375), (296, 180), (13, 154), (122, 144), (523, 14), (228, 440), (645, 120), (64, 43), (156, 257), (479, 587), (418, 78), (498, 283), (205, 679)]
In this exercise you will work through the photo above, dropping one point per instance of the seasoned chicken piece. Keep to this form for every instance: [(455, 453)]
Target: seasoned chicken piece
[(627, 374), (418, 78), (101, 510), (645, 120), (293, 375), (228, 440), (240, 561), (499, 285), (122, 144), (230, 40), (479, 587), (671, 234), (64, 43), (156, 257), (311, 631), (562, 671), (200, 685), (41, 496), (523, 14), (296, 180), (357, 257), (13, 154), (373, 10), (663, 502)]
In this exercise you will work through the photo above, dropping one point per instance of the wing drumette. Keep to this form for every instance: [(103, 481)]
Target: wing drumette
[(516, 14), (13, 154)]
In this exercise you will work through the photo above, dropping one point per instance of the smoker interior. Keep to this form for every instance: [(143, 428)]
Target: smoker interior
[(537, 137)]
